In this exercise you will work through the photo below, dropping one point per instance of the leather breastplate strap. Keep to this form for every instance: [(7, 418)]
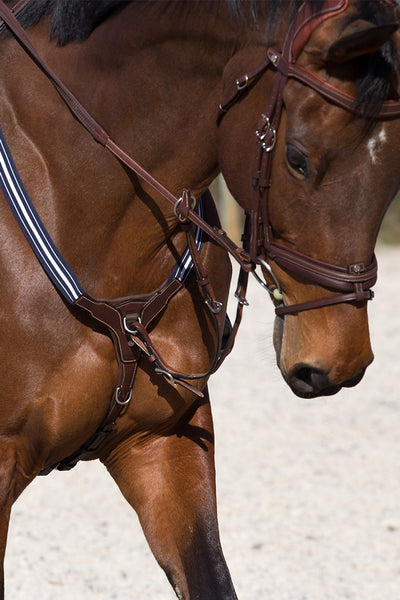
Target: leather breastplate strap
[(17, 10), (128, 321), (113, 317)]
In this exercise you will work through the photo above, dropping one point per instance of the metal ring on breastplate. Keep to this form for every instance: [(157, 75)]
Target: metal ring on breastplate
[(177, 203), (122, 403), (128, 329)]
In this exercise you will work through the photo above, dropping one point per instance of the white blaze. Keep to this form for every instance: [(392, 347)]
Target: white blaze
[(375, 143)]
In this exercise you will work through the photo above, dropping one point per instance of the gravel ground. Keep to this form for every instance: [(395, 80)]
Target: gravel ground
[(309, 491)]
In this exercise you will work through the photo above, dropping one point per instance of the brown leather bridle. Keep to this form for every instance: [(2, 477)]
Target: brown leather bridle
[(353, 282)]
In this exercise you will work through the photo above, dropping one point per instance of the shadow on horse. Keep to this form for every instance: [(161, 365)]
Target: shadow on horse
[(116, 117)]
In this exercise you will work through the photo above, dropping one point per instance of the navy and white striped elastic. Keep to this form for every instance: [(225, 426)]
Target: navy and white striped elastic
[(43, 246)]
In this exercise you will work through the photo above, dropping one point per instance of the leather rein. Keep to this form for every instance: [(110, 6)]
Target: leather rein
[(128, 320)]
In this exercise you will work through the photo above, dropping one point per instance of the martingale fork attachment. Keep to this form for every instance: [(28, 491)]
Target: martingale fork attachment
[(130, 337)]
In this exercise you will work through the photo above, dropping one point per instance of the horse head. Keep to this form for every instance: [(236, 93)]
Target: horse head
[(333, 172)]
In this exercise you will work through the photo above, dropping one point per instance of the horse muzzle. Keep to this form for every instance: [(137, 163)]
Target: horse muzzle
[(307, 381), (320, 364)]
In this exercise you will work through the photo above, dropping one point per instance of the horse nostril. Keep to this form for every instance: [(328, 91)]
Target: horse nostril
[(309, 382)]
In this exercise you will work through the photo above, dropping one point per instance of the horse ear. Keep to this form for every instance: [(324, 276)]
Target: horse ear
[(360, 37)]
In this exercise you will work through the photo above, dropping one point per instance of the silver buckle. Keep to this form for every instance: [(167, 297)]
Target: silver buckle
[(267, 130), (241, 85)]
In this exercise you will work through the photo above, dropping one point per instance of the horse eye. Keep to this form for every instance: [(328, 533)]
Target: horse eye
[(297, 161)]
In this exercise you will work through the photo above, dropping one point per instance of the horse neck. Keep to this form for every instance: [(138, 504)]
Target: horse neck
[(158, 68), (151, 76)]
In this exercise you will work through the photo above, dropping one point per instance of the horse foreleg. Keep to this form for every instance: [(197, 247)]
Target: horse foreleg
[(11, 484), (171, 484), (4, 521)]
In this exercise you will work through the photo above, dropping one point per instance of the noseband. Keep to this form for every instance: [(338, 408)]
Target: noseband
[(352, 283)]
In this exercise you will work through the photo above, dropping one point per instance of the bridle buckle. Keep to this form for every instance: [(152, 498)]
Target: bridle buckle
[(267, 135)]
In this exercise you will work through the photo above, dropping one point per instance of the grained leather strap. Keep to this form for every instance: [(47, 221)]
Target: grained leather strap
[(307, 20), (389, 108), (354, 282), (243, 84), (327, 275), (17, 10), (329, 301)]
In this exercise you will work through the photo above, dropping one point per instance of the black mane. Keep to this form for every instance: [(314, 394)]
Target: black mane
[(378, 79), (277, 11), (71, 19), (76, 19)]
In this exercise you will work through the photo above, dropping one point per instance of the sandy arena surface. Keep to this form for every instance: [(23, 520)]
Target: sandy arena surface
[(309, 491)]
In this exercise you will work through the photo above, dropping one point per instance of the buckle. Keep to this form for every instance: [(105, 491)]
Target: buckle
[(267, 135)]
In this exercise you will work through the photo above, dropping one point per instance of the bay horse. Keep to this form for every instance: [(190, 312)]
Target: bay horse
[(116, 116)]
